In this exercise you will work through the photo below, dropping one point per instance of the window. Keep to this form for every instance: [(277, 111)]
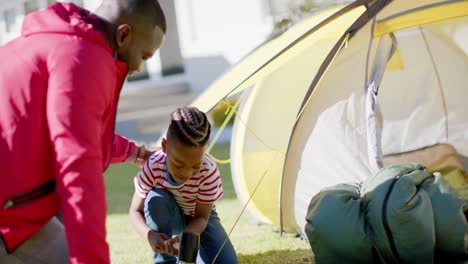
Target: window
[(9, 16)]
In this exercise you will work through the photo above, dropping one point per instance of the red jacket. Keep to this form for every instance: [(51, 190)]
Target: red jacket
[(59, 87)]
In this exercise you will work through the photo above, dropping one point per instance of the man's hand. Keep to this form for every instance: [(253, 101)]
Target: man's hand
[(140, 156)]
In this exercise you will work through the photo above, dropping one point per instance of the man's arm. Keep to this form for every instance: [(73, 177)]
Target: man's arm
[(123, 150), (79, 92)]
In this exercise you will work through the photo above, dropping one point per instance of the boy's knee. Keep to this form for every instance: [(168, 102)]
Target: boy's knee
[(162, 213), (159, 202), (158, 197), (158, 192)]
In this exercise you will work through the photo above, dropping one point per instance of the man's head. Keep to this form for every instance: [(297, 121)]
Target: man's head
[(186, 142), (138, 28)]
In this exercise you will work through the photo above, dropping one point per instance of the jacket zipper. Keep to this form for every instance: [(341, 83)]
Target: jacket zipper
[(29, 196)]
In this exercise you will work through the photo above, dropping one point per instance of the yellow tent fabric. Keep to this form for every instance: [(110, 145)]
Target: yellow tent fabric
[(286, 151), (267, 107), (244, 74), (420, 17)]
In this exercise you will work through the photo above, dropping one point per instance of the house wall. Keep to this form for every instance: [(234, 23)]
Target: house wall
[(212, 35)]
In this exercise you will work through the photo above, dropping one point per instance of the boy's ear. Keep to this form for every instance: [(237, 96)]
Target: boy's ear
[(164, 144)]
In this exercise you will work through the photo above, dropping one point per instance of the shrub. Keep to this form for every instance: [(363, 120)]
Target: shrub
[(220, 112)]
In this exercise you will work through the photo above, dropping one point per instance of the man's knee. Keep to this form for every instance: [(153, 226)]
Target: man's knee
[(48, 245)]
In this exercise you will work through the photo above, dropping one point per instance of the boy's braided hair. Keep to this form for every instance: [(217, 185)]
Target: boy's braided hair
[(190, 126)]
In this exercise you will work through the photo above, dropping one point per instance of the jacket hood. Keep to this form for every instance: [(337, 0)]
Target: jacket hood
[(65, 18)]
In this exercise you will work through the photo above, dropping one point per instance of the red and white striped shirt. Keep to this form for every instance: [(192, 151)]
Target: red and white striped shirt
[(203, 187)]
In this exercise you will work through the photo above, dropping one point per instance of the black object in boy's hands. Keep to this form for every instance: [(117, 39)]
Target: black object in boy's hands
[(189, 244)]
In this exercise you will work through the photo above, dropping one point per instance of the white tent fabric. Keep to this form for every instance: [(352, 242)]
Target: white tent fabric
[(338, 140), (414, 103), (426, 106)]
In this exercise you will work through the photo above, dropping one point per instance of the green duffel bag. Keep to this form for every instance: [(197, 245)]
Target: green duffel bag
[(451, 227), (404, 214), (336, 226), (399, 214)]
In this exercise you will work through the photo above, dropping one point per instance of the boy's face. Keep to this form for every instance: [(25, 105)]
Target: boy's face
[(183, 161)]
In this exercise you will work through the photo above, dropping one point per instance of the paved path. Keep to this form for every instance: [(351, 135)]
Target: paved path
[(144, 113)]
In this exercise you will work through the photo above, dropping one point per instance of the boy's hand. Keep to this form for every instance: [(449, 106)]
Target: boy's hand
[(157, 241), (172, 246)]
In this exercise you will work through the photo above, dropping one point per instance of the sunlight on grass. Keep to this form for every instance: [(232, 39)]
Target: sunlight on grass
[(125, 244), (277, 257), (251, 241), (254, 244)]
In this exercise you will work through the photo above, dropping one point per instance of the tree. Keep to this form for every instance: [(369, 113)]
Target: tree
[(299, 9)]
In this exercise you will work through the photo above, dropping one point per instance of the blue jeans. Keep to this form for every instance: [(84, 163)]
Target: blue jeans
[(163, 215)]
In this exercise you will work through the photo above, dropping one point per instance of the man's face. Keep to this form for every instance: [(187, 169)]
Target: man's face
[(140, 47)]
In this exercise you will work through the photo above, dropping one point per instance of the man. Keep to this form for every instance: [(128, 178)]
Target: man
[(59, 87)]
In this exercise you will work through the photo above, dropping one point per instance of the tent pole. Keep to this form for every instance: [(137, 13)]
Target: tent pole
[(439, 82), (372, 10)]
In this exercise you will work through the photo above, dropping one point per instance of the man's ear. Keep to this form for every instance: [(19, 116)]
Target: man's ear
[(123, 36), (164, 144)]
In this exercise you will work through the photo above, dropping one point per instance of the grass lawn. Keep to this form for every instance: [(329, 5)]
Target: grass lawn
[(253, 243)]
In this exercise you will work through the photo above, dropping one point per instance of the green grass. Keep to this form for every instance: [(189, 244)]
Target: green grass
[(254, 244)]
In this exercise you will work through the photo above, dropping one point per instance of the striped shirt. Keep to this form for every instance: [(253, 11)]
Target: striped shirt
[(203, 187)]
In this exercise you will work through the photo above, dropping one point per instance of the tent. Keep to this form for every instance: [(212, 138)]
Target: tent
[(328, 100)]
